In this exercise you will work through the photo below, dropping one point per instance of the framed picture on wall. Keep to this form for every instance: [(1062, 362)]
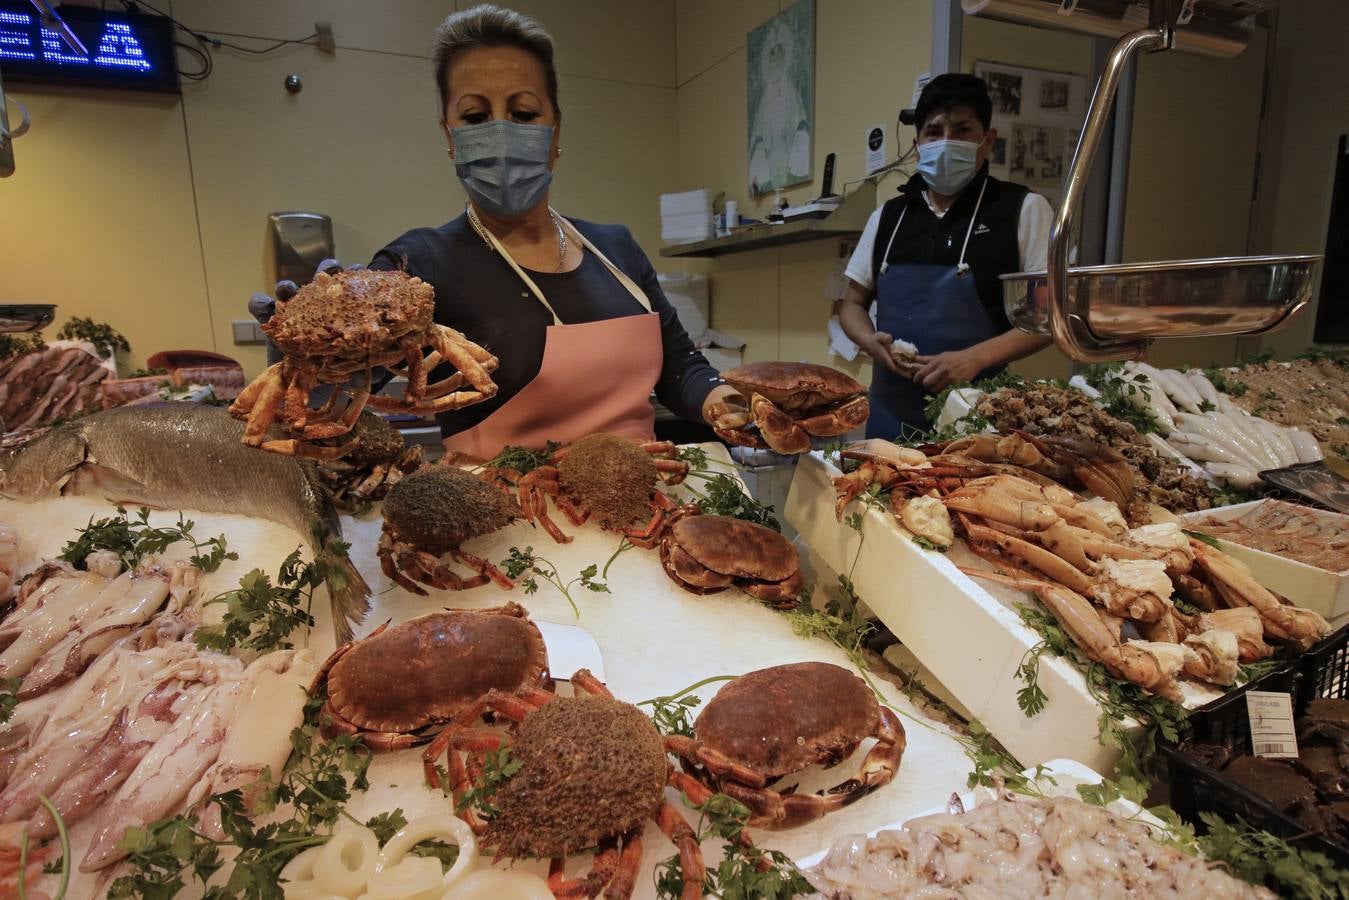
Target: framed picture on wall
[(1038, 115), (781, 83)]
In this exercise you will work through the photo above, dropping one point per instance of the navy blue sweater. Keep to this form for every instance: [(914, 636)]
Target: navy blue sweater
[(479, 293)]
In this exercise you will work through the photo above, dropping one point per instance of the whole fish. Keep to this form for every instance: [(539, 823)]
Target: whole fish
[(184, 456)]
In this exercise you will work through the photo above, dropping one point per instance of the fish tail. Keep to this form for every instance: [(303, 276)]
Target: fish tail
[(347, 591)]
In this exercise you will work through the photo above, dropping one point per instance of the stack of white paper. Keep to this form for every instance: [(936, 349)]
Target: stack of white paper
[(686, 217)]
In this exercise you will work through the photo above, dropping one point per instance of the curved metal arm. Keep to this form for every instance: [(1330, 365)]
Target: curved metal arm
[(1069, 325)]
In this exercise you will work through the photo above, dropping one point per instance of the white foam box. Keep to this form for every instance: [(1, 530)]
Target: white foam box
[(967, 633), (1317, 589)]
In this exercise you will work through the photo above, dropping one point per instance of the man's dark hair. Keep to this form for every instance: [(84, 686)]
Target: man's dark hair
[(946, 92)]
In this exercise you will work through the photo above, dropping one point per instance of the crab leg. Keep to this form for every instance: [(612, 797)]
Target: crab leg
[(263, 404), (782, 595), (345, 422), (780, 431), (630, 863), (416, 370), (602, 869), (484, 567), (1236, 584), (458, 350)]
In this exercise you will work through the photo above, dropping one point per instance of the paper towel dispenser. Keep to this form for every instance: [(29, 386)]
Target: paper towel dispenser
[(300, 241)]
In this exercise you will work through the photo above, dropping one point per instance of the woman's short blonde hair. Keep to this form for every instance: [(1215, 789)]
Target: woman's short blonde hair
[(487, 25)]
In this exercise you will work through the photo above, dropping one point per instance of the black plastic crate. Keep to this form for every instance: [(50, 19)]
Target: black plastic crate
[(1224, 721), (1196, 787), (1323, 671)]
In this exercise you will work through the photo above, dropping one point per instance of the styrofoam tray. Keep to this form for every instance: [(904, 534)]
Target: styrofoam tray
[(1305, 585), (655, 637), (1055, 778), (966, 632)]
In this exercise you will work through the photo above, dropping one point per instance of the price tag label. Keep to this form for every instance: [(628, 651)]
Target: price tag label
[(1272, 730)]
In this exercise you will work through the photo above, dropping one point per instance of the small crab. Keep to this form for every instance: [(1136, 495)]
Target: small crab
[(781, 720), (706, 554), (432, 512), (395, 686), (790, 403), (379, 460), (592, 771), (1328, 718), (608, 478), (343, 325)]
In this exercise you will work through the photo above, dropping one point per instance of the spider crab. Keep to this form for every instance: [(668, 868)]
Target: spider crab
[(390, 689), (606, 477), (781, 720), (432, 512), (592, 771), (706, 554), (379, 460), (342, 325), (791, 402)]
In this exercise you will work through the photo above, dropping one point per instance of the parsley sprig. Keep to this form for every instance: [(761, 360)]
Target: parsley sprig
[(521, 561), (134, 539), (260, 615), (670, 713), (499, 766), (745, 871)]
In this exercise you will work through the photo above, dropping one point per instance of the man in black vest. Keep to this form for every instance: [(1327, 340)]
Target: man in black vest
[(930, 260)]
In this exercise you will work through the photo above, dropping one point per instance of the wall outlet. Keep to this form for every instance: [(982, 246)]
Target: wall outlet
[(248, 332)]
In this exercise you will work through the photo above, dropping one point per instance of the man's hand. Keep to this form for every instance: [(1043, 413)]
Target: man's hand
[(941, 370), (877, 344)]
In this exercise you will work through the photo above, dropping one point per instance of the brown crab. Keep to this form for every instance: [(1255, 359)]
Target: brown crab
[(395, 686), (604, 477), (432, 512), (379, 460), (592, 772), (706, 554), (777, 721), (1328, 718), (343, 325), (791, 402)]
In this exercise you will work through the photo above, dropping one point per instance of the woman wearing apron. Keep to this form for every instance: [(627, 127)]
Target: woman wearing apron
[(930, 260), (572, 309)]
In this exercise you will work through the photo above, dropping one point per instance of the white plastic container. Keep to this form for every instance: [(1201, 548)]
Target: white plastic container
[(1317, 589)]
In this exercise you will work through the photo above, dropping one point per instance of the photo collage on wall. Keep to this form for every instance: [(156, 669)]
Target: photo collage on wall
[(1038, 115)]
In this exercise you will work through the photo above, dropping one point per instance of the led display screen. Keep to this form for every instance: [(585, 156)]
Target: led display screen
[(125, 50)]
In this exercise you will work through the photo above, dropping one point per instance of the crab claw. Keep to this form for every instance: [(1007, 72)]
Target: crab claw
[(780, 431)]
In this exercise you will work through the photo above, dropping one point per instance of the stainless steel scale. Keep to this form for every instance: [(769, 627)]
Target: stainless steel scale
[(1099, 313)]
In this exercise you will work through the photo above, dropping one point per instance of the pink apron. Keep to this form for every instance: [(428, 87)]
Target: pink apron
[(594, 377)]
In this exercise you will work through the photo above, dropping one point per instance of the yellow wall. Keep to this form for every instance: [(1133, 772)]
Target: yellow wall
[(150, 213), (1309, 110), (868, 54)]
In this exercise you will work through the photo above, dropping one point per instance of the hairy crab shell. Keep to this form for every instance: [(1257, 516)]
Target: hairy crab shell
[(437, 508), (351, 313)]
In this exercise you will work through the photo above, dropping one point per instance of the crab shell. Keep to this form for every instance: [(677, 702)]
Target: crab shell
[(782, 719), (437, 508), (351, 313), (427, 669), (732, 548), (591, 768), (610, 475), (795, 387)]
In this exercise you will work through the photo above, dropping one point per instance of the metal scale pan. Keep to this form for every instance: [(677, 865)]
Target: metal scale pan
[(1099, 313)]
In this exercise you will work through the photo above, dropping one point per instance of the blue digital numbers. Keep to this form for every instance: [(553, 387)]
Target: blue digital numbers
[(22, 38), (14, 42)]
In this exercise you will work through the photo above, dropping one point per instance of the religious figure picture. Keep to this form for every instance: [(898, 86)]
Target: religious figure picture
[(781, 74)]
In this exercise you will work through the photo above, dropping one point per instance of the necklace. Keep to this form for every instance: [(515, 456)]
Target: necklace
[(481, 229)]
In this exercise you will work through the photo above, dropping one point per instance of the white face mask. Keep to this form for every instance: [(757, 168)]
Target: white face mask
[(947, 165)]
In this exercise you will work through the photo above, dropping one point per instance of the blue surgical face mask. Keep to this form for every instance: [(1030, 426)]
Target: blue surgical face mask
[(947, 166), (503, 164)]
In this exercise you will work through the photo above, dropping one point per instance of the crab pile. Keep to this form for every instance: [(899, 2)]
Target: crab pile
[(1312, 788), (1044, 409), (1112, 588), (789, 403), (339, 327)]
